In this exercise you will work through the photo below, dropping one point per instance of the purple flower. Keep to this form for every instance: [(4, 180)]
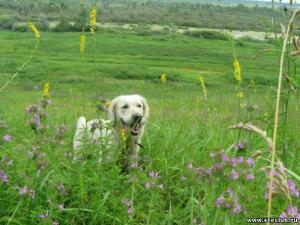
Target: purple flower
[(227, 205), (250, 176), (3, 177), (237, 208), (291, 211), (230, 192), (220, 200), (23, 190), (234, 161), (234, 175), (190, 165), (292, 188), (241, 159), (7, 138), (250, 161), (130, 210), (154, 174), (225, 158)]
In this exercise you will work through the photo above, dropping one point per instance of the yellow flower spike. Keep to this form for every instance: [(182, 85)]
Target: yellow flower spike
[(240, 94), (82, 42), (46, 89), (237, 70), (34, 30), (163, 78), (93, 16), (202, 84)]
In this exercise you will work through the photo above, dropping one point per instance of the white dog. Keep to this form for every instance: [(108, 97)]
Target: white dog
[(127, 116)]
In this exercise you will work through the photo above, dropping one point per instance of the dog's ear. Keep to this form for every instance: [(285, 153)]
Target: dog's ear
[(111, 112), (145, 110)]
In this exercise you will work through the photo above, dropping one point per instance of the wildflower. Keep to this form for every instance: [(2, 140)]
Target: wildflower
[(250, 161), (129, 205), (123, 134), (190, 165), (55, 223), (234, 175), (147, 185), (212, 154), (203, 87), (230, 192), (46, 89), (82, 43), (250, 176), (234, 161), (237, 70), (93, 14), (154, 174), (237, 208), (220, 200), (44, 215), (34, 30), (161, 186), (23, 190), (239, 94), (292, 188), (61, 206), (7, 138), (163, 78), (3, 177), (225, 158), (134, 165), (107, 103), (291, 211)]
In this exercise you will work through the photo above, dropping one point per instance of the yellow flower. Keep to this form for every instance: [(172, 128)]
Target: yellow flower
[(46, 89), (163, 78), (93, 17), (82, 42), (34, 30), (237, 71), (123, 136), (202, 84), (240, 94), (107, 103)]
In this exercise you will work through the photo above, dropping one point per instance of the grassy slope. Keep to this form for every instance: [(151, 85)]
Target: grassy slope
[(127, 63)]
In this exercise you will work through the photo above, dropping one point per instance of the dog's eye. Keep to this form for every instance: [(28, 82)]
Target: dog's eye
[(139, 105), (125, 107)]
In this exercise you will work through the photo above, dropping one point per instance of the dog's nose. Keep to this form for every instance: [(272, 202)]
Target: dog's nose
[(136, 118)]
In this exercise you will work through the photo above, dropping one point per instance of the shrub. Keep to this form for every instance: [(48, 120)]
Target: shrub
[(6, 23), (208, 34)]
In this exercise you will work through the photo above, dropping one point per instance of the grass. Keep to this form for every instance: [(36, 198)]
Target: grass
[(190, 131)]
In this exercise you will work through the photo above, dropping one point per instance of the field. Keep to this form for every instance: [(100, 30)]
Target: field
[(185, 135)]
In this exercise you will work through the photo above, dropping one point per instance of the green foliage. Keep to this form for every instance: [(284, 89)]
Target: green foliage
[(208, 34)]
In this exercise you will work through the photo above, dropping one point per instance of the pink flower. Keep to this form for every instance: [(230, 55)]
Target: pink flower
[(234, 175), (23, 190), (250, 161), (7, 138), (190, 165), (220, 200), (3, 177), (250, 176), (61, 206)]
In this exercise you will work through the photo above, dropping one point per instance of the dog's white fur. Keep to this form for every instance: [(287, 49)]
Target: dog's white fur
[(126, 112)]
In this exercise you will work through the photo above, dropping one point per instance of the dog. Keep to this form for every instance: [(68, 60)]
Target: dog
[(127, 116)]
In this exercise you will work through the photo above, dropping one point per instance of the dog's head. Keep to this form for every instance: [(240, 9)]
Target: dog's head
[(131, 111)]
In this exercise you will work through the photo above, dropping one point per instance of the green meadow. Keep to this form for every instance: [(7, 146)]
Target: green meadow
[(185, 135)]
